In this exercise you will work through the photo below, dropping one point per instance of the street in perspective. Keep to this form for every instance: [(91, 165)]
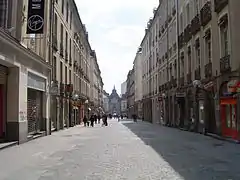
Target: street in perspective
[(122, 150), (119, 89)]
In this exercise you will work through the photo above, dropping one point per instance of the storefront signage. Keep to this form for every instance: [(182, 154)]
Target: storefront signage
[(35, 19), (233, 86), (179, 95), (208, 85), (36, 82)]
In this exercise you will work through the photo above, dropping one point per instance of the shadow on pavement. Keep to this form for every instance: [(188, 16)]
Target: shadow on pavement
[(193, 156)]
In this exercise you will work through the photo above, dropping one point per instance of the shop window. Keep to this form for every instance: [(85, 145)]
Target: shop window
[(228, 116), (234, 126)]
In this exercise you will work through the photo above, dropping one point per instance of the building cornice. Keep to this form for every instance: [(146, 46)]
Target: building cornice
[(14, 43)]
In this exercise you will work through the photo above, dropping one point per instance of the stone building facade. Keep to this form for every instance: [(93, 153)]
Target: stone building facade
[(114, 102), (191, 66), (48, 74)]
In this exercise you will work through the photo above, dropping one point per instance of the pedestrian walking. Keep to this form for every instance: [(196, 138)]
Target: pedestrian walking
[(92, 120), (95, 119), (85, 120), (99, 118)]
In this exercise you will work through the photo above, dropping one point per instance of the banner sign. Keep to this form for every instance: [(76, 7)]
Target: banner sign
[(35, 20)]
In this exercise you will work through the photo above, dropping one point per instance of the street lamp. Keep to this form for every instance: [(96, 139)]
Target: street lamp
[(88, 109), (75, 98), (164, 95)]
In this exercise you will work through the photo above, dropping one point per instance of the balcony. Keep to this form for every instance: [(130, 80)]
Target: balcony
[(187, 33), (55, 43), (206, 14), (225, 64), (198, 73), (189, 78), (208, 70), (61, 49), (219, 5), (195, 25)]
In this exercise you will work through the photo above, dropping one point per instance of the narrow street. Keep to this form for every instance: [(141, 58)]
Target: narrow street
[(126, 150)]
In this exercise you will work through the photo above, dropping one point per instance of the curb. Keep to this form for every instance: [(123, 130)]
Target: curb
[(222, 138), (10, 144)]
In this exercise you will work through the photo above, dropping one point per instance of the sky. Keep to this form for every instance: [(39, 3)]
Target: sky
[(116, 29)]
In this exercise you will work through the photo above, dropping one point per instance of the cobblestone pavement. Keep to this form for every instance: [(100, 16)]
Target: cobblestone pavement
[(122, 151)]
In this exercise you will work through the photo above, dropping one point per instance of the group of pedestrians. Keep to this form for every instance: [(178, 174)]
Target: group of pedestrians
[(94, 119)]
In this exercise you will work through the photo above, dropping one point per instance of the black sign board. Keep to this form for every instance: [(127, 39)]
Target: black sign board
[(35, 20)]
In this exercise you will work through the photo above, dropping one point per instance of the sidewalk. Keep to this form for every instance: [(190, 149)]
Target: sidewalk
[(4, 145)]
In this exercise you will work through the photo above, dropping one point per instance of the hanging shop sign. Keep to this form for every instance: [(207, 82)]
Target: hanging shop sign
[(35, 19)]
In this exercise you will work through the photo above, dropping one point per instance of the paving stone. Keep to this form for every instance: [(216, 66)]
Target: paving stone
[(121, 151)]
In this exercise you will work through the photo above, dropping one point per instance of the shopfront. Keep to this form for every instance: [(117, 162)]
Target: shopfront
[(35, 93), (3, 80), (180, 97), (228, 108)]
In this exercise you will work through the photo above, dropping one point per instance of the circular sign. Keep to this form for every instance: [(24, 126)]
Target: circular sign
[(35, 22)]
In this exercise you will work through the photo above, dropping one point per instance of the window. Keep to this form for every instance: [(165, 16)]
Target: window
[(181, 22), (224, 40), (61, 71), (3, 13), (175, 69), (66, 74), (188, 13), (197, 51), (189, 59), (208, 46), (63, 7), (54, 67), (55, 24), (196, 6), (70, 76), (71, 20), (70, 48), (61, 33), (66, 41), (67, 12)]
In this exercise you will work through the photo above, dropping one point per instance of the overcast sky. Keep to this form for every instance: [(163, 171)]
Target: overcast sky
[(116, 29)]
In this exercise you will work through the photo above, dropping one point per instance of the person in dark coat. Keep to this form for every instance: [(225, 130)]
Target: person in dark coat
[(104, 119), (85, 120), (99, 118), (92, 120), (95, 119)]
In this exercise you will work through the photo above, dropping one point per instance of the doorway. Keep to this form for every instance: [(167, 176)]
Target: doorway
[(1, 112), (228, 116)]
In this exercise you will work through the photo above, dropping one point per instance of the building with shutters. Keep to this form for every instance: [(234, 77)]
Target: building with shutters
[(24, 79)]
